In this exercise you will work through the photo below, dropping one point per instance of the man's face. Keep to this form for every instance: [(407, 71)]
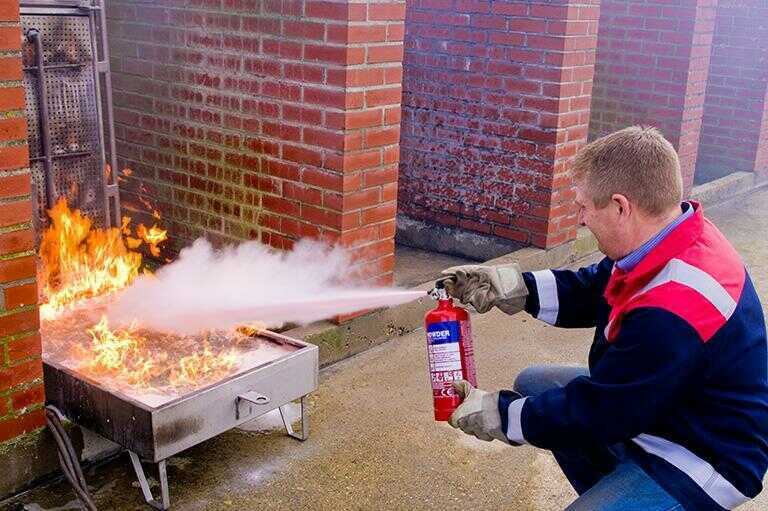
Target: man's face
[(605, 223)]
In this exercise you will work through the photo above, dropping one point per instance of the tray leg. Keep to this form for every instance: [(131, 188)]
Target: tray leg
[(304, 434), (165, 499)]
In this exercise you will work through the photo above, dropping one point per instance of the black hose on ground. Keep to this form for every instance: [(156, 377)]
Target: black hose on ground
[(68, 459)]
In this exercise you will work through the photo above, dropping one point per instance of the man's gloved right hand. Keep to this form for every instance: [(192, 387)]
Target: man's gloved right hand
[(484, 287)]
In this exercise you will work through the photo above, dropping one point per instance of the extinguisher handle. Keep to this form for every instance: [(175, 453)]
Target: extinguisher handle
[(439, 292)]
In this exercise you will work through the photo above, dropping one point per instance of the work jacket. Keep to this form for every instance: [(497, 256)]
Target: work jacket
[(677, 367)]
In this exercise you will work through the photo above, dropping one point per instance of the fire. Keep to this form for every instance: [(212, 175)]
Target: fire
[(79, 262), (152, 237), (251, 330), (203, 366), (135, 358), (83, 265), (119, 354)]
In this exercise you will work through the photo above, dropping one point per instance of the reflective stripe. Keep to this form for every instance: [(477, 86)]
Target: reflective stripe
[(514, 421), (546, 287), (607, 329), (697, 279), (702, 473)]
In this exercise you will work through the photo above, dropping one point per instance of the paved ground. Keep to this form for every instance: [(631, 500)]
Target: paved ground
[(374, 444), (414, 266)]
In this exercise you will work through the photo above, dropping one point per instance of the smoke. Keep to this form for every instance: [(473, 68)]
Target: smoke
[(208, 289)]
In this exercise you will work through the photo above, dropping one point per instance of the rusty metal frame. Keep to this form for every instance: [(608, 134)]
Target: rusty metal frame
[(45, 133), (106, 119), (95, 11)]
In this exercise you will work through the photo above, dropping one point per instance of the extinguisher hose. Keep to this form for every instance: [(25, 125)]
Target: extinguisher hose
[(68, 458)]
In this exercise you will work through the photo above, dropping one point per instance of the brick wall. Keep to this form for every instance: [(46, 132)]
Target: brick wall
[(735, 108), (263, 119), (652, 62), (761, 159), (21, 392), (496, 103)]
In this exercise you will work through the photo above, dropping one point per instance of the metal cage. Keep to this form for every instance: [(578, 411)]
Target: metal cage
[(69, 109)]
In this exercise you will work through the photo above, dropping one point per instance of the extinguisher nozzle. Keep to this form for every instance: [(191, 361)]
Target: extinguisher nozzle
[(439, 292)]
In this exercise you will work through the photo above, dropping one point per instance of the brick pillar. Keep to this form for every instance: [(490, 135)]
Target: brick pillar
[(268, 120), (21, 391), (735, 128), (652, 62), (496, 104), (761, 160), (367, 164)]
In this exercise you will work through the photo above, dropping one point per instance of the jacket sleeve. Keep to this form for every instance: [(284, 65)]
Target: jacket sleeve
[(653, 359), (567, 298)]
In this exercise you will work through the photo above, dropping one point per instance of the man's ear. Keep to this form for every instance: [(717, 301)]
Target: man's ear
[(622, 204)]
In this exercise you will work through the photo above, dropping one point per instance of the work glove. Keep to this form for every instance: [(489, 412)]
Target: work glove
[(478, 415), (484, 287)]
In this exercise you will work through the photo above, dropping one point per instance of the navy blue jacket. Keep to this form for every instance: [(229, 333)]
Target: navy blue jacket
[(678, 367)]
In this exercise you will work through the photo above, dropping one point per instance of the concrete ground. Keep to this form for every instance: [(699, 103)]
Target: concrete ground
[(373, 443)]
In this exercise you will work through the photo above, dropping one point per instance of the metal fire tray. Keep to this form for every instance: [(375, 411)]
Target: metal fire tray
[(154, 434)]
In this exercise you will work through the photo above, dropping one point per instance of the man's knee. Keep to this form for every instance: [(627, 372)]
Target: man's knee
[(535, 380), (530, 381)]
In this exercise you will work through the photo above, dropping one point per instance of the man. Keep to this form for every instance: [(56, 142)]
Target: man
[(673, 410)]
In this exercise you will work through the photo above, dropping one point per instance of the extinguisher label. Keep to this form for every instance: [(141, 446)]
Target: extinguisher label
[(444, 333), (444, 353), (445, 357), (467, 345)]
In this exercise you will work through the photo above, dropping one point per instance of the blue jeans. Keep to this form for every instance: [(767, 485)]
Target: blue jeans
[(606, 478)]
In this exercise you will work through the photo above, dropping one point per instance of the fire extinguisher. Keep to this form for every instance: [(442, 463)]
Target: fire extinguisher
[(450, 351)]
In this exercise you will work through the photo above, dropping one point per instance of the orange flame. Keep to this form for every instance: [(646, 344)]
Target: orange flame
[(202, 366), (119, 354), (124, 355), (80, 262), (251, 330), (152, 237)]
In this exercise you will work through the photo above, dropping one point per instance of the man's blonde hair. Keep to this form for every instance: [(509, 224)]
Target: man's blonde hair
[(636, 162)]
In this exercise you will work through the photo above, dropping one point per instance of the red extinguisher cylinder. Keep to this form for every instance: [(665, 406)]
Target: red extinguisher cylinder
[(450, 351)]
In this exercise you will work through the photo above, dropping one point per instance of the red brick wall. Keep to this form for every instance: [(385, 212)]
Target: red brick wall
[(496, 103), (269, 120), (21, 392), (652, 62), (761, 160), (734, 111)]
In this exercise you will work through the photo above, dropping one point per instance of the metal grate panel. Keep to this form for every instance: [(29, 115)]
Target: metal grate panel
[(73, 122), (72, 111), (73, 180), (66, 39)]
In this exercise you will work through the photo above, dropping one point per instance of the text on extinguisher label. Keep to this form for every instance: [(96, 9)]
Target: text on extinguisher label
[(444, 332), (444, 354), (445, 357)]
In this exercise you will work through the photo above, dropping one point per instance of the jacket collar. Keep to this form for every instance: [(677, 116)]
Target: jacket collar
[(622, 285)]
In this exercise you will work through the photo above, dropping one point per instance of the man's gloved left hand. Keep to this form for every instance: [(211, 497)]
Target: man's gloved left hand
[(479, 414)]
